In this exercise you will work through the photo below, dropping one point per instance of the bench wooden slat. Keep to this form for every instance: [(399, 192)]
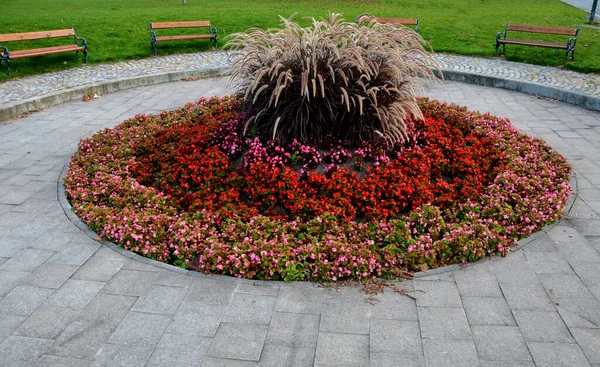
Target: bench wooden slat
[(167, 25), (19, 54), (401, 21), (36, 35), (185, 37), (537, 29), (534, 43)]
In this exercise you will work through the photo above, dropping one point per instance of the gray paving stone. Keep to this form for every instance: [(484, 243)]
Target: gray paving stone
[(133, 264), (513, 268), (9, 246), (22, 351), (349, 350), (23, 300), (111, 355), (196, 319), (446, 323), (396, 360), (210, 292), (54, 361), (477, 284), (507, 364), (238, 341), (258, 289), (81, 340), (500, 343), (588, 227), (9, 280), (99, 269), (8, 323), (129, 282), (161, 299), (565, 286), (140, 329), (541, 244), (249, 309), (27, 260), (47, 322), (589, 273), (442, 352), (436, 294), (75, 253), (179, 350), (548, 262), (542, 327), (278, 355), (223, 362), (393, 306), (344, 317), (589, 341), (557, 355), (107, 309), (579, 313), (527, 296), (488, 311), (395, 337), (293, 330), (51, 275), (75, 293), (3, 260), (301, 300)]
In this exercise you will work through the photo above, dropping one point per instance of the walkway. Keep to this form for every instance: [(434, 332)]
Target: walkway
[(45, 90), (65, 300)]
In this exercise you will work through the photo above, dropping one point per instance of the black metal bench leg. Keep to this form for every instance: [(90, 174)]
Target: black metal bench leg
[(85, 55), (8, 66)]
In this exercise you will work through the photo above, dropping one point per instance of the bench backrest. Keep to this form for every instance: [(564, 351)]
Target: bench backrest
[(167, 25), (36, 35), (397, 21), (536, 29)]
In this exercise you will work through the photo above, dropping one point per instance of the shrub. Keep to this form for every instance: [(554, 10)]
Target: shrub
[(354, 82)]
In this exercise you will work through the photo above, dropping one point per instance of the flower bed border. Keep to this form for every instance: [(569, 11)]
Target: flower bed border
[(68, 210)]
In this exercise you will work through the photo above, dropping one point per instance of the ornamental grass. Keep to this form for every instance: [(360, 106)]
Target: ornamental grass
[(352, 81)]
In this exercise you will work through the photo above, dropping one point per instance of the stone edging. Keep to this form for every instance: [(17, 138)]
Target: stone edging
[(66, 207)]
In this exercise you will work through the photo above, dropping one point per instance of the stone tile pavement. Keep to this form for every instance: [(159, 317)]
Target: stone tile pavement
[(66, 300)]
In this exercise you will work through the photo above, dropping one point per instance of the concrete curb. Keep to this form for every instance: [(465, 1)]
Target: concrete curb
[(39, 103), (36, 104), (68, 210)]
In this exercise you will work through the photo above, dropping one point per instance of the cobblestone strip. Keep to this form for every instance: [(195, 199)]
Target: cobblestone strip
[(53, 88)]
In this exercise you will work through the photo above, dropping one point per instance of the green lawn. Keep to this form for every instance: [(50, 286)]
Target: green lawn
[(118, 29)]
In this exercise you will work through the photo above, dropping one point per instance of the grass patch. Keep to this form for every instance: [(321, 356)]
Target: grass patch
[(118, 29)]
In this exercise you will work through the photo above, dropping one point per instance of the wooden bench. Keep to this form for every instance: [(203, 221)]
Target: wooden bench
[(569, 46), (6, 55), (154, 39), (365, 18)]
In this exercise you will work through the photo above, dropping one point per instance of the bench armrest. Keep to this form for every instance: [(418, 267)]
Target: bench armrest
[(572, 42), (212, 30), (6, 53), (82, 40)]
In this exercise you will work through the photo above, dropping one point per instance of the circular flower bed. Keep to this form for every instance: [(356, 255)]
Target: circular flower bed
[(192, 188)]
